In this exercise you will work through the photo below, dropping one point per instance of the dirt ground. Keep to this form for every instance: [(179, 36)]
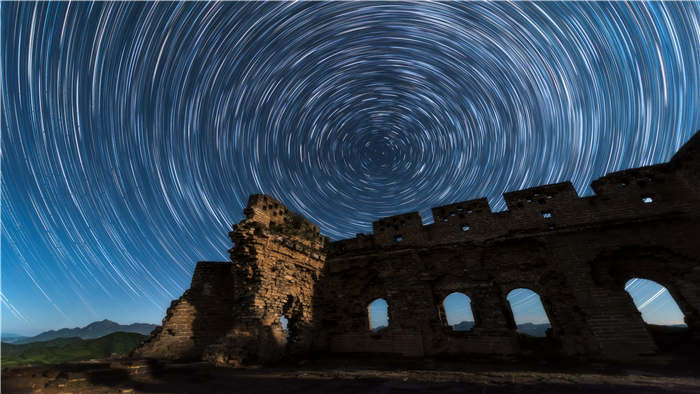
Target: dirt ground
[(356, 375)]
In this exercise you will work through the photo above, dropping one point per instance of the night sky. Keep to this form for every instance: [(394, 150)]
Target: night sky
[(132, 134)]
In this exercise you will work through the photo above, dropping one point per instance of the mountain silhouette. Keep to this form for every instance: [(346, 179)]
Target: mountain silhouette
[(91, 331), (535, 330), (8, 337)]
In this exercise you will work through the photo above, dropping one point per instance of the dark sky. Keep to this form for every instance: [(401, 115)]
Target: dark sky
[(132, 134)]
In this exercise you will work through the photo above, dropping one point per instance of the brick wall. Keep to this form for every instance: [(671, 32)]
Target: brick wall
[(576, 253)]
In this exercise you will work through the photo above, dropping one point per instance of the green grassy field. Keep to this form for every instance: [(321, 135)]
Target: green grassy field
[(69, 349)]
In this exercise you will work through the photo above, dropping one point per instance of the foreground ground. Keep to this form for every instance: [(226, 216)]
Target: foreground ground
[(356, 375)]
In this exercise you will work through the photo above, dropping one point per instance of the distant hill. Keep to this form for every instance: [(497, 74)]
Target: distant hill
[(535, 330), (11, 338), (62, 350), (93, 330), (463, 326)]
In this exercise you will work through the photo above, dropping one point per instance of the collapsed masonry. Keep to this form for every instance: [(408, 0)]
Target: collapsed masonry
[(576, 253)]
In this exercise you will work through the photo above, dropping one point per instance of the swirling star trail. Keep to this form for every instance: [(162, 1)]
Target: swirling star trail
[(132, 134)]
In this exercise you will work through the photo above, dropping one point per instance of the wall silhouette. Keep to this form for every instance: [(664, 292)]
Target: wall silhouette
[(575, 253)]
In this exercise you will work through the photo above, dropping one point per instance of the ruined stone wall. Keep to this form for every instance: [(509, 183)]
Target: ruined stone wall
[(197, 319), (576, 253), (283, 255), (231, 313)]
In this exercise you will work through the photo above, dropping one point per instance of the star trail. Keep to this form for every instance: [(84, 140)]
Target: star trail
[(132, 134)]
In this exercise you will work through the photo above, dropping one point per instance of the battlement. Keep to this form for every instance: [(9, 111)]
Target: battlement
[(631, 181), (554, 194), (452, 213), (638, 193), (403, 228)]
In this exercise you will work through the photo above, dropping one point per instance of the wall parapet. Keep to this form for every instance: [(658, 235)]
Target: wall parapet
[(645, 192)]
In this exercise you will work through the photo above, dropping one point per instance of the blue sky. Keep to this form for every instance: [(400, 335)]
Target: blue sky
[(133, 133)]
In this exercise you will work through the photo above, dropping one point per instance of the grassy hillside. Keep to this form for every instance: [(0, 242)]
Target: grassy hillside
[(69, 349)]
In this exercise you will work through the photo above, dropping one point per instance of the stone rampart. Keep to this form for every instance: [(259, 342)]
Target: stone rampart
[(576, 252)]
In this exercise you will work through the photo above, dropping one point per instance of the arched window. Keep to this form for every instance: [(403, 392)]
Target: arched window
[(378, 311), (528, 312), (290, 316), (458, 311), (655, 303), (284, 322)]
